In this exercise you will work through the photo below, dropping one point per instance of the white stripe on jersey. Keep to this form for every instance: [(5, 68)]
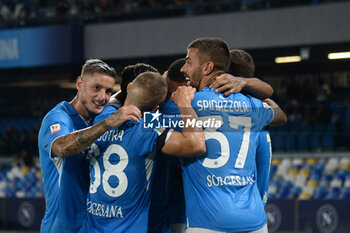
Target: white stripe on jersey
[(149, 166), (58, 162)]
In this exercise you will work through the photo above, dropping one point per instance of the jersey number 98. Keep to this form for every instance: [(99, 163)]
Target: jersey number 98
[(110, 170)]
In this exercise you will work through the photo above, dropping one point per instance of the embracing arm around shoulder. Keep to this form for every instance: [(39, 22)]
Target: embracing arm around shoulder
[(279, 117), (75, 142), (191, 141), (229, 84)]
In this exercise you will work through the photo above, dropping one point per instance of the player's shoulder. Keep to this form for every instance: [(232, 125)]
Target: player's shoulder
[(132, 127), (60, 112), (169, 107), (136, 131), (207, 93), (107, 111)]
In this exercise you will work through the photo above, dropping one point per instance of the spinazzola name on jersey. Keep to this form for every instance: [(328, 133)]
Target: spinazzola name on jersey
[(108, 211), (224, 105), (213, 180)]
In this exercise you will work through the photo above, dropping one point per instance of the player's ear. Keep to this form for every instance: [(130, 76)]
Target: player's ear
[(127, 88), (79, 83), (208, 67), (155, 108)]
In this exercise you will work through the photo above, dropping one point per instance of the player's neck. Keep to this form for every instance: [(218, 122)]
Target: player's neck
[(209, 79), (129, 101), (78, 106)]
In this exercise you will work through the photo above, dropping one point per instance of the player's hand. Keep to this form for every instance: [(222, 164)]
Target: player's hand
[(125, 113), (183, 96), (130, 112), (228, 84)]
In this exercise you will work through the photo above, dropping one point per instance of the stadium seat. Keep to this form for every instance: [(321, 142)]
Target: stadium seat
[(284, 167), (320, 193), (311, 161), (331, 165), (344, 163), (334, 189), (305, 196), (305, 171), (294, 193), (300, 180), (283, 192), (312, 183), (344, 193), (341, 174), (333, 194), (297, 163)]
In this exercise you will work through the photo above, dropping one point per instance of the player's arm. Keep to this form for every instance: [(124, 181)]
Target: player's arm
[(191, 141), (75, 142), (279, 117), (229, 84)]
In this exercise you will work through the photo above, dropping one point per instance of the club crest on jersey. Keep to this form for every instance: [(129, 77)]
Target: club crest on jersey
[(55, 128)]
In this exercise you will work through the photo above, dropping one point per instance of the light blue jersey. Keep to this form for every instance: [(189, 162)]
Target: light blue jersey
[(263, 162), (66, 180), (120, 173), (220, 187)]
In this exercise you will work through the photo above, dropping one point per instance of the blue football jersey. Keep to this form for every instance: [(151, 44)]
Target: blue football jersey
[(120, 173), (158, 212), (263, 162), (167, 194), (66, 180), (220, 187)]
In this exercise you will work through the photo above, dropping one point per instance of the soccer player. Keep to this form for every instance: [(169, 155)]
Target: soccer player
[(121, 168), (220, 187), (167, 209), (242, 65), (63, 137), (129, 73)]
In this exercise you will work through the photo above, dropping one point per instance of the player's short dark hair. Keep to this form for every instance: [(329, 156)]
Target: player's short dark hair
[(174, 72), (130, 72), (92, 66), (154, 89), (242, 64), (213, 49)]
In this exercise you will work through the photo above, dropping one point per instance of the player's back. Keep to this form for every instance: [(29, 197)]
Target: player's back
[(220, 188), (120, 175)]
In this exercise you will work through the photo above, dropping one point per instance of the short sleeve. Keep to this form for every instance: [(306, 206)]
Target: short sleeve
[(54, 125), (170, 112), (263, 112)]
